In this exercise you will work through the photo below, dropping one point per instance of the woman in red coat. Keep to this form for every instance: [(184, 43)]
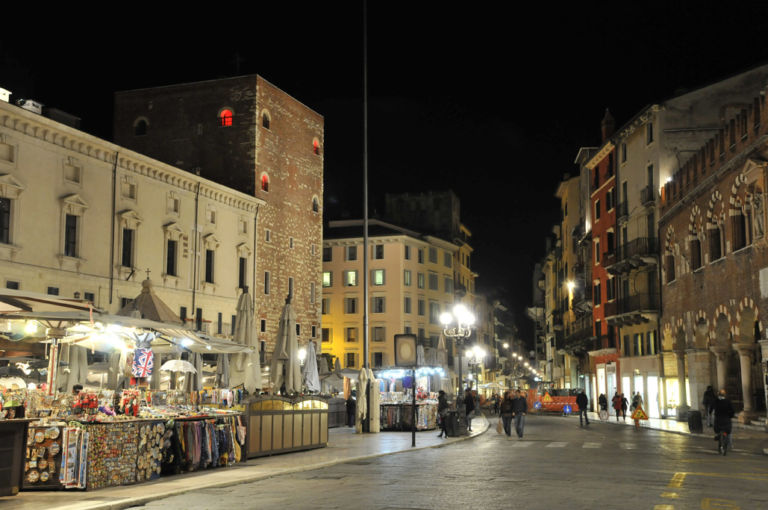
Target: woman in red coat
[(616, 401)]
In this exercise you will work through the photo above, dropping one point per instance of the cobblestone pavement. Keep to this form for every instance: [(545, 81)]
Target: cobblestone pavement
[(556, 465)]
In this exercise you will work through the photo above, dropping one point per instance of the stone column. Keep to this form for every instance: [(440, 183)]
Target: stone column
[(764, 371), (682, 408), (721, 355), (746, 354)]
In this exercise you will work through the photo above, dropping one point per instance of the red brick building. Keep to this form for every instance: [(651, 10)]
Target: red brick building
[(604, 359), (715, 265), (247, 134)]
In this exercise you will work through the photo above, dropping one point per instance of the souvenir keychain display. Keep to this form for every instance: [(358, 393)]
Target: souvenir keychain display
[(41, 466)]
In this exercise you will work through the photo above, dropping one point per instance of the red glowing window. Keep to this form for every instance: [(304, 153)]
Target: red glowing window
[(225, 117), (264, 182), (315, 146)]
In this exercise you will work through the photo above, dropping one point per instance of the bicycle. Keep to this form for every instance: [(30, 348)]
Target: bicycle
[(722, 442)]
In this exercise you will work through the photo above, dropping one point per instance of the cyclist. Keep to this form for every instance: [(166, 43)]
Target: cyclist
[(723, 414)]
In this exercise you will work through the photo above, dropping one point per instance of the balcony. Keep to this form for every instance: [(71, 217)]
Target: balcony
[(639, 252), (647, 195), (622, 211), (634, 309)]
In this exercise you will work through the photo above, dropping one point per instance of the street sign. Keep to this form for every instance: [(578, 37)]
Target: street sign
[(537, 405), (566, 409), (546, 398), (639, 414)]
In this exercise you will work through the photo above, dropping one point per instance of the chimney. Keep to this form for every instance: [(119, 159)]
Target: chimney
[(606, 126)]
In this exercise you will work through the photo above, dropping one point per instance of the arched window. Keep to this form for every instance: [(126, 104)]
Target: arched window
[(265, 119), (225, 117), (315, 146), (264, 182), (140, 127)]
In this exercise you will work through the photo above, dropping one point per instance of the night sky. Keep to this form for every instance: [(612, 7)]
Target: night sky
[(493, 104)]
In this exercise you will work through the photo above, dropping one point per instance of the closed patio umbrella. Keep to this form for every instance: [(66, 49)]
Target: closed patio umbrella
[(247, 366), (311, 376), (285, 368)]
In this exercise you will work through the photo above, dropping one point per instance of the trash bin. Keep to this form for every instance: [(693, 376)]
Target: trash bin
[(694, 422), (453, 427)]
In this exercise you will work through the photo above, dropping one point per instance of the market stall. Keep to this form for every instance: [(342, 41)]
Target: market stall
[(280, 425), (396, 388)]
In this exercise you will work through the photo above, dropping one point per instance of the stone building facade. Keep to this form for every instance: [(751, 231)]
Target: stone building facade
[(82, 217), (248, 134), (715, 264)]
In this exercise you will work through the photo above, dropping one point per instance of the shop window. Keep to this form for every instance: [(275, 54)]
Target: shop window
[(225, 117)]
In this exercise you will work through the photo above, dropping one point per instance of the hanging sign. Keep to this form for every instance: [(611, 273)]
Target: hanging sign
[(143, 361)]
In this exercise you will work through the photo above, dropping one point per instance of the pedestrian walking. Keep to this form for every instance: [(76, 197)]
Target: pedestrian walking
[(602, 401), (583, 402), (519, 409), (616, 402), (469, 407), (709, 403), (442, 412), (637, 400), (624, 405), (351, 408), (507, 413), (495, 403), (723, 410)]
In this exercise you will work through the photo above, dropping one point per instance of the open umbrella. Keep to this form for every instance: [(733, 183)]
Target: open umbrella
[(311, 376), (11, 383), (178, 365)]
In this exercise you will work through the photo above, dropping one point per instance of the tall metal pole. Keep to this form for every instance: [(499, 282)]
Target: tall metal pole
[(366, 355)]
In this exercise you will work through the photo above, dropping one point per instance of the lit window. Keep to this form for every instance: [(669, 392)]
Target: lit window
[(264, 182), (225, 117), (315, 146)]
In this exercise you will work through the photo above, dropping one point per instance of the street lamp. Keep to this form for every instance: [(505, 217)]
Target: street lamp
[(475, 357), (457, 324)]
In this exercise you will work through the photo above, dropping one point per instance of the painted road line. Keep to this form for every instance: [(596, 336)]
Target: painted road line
[(677, 481), (628, 446), (557, 444), (592, 445), (521, 444)]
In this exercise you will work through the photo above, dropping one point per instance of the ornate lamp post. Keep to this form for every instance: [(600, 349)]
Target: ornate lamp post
[(475, 357), (457, 324)]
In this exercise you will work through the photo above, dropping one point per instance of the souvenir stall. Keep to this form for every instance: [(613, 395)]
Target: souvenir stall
[(107, 437), (396, 388)]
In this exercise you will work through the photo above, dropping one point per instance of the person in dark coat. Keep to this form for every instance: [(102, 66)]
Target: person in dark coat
[(442, 412), (351, 408), (624, 406), (709, 403), (602, 400), (520, 409), (505, 408), (583, 402), (723, 413), (469, 406)]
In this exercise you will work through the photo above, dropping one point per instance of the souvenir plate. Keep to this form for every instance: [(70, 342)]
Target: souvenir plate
[(42, 464), (52, 432), (33, 476), (54, 449), (44, 476), (39, 436)]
